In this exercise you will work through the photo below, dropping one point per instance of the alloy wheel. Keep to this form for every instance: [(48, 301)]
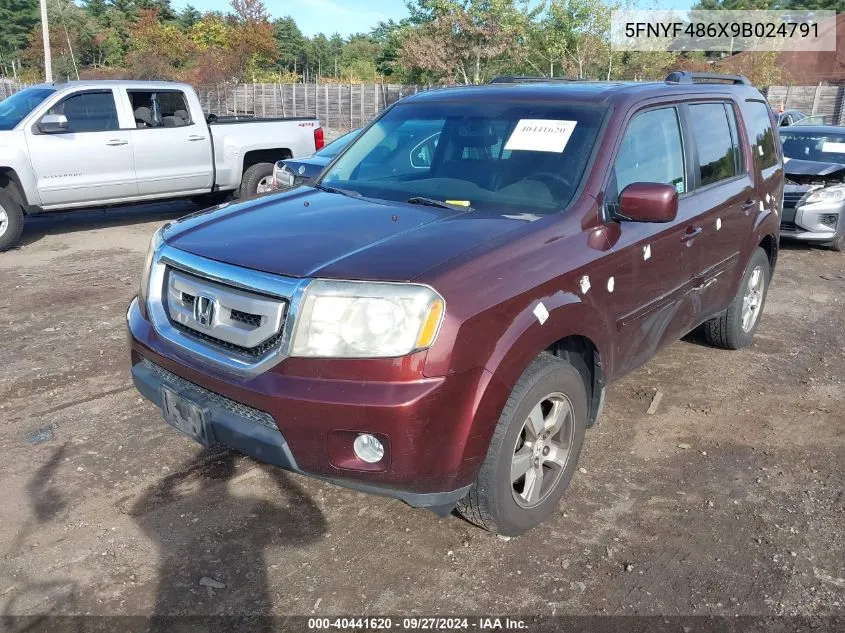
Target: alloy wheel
[(542, 450), (752, 302)]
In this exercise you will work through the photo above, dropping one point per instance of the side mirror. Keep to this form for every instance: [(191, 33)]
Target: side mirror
[(648, 202), (53, 123)]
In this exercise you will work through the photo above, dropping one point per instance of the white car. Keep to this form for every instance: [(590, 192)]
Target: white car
[(100, 143)]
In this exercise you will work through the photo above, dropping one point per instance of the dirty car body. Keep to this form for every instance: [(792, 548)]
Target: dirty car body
[(414, 309)]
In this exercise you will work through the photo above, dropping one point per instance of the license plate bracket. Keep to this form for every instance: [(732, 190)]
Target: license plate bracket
[(187, 416)]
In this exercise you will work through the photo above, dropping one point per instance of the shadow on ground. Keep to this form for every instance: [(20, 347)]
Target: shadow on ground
[(213, 541)]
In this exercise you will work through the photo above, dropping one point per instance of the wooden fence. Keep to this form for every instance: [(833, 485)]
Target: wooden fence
[(347, 106), (337, 106)]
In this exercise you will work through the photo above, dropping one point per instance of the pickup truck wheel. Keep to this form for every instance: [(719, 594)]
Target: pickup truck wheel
[(11, 221), (533, 452), (735, 327), (257, 180)]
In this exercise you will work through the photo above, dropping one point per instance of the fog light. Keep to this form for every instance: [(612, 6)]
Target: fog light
[(368, 448), (830, 219)]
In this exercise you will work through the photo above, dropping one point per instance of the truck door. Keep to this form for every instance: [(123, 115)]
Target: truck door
[(172, 150), (649, 293), (724, 203), (90, 161)]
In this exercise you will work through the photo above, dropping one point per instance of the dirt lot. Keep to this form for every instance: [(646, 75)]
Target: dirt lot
[(729, 500)]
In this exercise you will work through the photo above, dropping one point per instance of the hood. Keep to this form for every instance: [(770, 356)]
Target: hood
[(305, 232), (810, 172)]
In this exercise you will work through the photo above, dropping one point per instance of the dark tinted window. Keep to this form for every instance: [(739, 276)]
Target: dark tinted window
[(159, 109), (760, 133), (716, 151), (88, 112), (652, 151)]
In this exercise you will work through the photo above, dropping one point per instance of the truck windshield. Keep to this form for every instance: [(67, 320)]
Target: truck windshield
[(13, 109), (518, 156), (823, 148)]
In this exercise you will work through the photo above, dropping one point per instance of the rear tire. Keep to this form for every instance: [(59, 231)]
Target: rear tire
[(539, 433), (735, 327), (256, 181), (11, 221)]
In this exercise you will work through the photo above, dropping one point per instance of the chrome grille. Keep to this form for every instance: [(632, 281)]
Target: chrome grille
[(236, 320), (242, 410), (792, 198)]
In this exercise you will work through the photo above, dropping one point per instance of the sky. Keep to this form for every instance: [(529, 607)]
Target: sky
[(354, 16)]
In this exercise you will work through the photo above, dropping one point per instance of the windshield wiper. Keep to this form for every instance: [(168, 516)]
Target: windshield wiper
[(431, 202), (343, 192)]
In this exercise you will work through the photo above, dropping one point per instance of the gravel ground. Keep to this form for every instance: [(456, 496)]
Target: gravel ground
[(727, 500)]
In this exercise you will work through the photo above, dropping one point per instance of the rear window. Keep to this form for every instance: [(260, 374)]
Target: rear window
[(717, 152), (159, 109), (760, 134)]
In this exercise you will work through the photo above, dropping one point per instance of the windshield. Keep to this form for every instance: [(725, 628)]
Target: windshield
[(824, 148), (13, 109), (502, 155), (338, 145)]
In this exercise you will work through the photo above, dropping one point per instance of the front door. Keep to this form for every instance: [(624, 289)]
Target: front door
[(91, 161), (652, 285)]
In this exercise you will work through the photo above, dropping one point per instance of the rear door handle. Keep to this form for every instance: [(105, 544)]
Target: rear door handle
[(196, 137), (749, 204), (691, 233), (117, 141)]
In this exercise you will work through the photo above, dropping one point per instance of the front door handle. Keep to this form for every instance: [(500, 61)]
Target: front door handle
[(196, 137), (115, 142), (692, 232)]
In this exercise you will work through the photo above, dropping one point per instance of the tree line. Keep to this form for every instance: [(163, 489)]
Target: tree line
[(441, 41)]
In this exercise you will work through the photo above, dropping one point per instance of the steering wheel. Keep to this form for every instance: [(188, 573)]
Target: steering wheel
[(544, 176)]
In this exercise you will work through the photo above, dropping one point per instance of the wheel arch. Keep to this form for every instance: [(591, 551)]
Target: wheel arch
[(11, 182), (272, 155), (574, 330)]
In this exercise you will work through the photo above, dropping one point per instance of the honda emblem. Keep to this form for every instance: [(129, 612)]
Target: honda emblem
[(204, 310)]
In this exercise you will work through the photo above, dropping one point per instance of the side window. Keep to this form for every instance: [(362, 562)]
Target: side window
[(423, 153), (760, 133), (716, 150), (652, 151), (159, 109), (88, 112)]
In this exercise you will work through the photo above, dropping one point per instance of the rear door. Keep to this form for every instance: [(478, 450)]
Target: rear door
[(90, 162), (652, 288), (724, 202), (172, 151)]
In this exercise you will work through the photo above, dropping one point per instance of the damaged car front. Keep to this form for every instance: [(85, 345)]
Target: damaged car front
[(814, 190)]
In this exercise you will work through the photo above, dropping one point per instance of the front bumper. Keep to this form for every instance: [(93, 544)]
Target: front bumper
[(812, 222), (291, 421)]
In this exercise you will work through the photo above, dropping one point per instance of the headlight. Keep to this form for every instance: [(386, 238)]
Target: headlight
[(282, 176), (144, 290), (836, 193), (349, 319)]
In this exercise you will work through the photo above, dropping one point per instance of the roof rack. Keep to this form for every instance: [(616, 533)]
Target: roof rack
[(525, 79), (686, 77)]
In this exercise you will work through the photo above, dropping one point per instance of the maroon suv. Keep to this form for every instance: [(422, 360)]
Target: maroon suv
[(438, 316)]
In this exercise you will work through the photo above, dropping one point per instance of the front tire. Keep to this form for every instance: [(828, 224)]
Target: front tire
[(256, 181), (533, 452), (11, 221), (838, 244), (736, 326)]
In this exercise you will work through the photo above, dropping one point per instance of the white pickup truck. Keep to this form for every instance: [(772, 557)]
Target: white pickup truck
[(100, 143)]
